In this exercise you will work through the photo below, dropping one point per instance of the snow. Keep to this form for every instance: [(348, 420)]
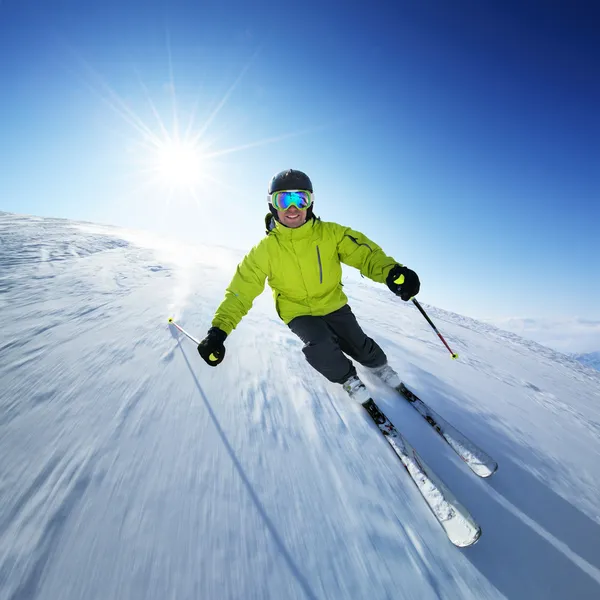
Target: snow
[(132, 470)]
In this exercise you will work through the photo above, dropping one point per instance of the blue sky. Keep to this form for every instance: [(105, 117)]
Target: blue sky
[(463, 137)]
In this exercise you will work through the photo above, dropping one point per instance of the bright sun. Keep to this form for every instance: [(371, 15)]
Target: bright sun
[(178, 163)]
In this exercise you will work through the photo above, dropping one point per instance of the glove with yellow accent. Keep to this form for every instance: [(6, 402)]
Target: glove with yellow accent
[(403, 282), (211, 348)]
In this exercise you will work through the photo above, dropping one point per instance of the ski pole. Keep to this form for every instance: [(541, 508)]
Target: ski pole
[(171, 322), (422, 311)]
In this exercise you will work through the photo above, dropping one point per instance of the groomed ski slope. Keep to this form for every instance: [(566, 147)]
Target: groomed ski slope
[(131, 470)]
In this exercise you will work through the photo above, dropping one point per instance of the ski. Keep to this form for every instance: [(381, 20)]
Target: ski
[(478, 461), (454, 518)]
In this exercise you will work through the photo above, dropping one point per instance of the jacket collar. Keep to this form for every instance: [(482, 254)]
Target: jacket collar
[(298, 233)]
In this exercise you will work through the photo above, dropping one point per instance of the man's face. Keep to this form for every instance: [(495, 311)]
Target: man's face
[(292, 217)]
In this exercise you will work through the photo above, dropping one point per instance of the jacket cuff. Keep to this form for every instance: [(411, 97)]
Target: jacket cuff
[(218, 333)]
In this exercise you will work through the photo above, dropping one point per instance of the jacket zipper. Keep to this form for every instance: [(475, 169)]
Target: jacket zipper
[(320, 265)]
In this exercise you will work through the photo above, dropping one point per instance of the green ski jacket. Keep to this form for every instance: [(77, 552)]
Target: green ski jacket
[(303, 268)]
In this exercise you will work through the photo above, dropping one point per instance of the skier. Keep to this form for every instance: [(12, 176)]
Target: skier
[(300, 257)]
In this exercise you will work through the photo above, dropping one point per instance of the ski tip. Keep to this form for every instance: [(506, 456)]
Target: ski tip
[(490, 469), (476, 538), (467, 543)]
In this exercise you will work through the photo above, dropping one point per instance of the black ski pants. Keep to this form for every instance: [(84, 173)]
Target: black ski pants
[(329, 338)]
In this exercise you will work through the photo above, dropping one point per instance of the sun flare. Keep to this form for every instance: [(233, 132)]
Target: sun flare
[(178, 163), (174, 158)]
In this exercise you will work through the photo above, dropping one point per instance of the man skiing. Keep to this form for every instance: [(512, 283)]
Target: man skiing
[(301, 258)]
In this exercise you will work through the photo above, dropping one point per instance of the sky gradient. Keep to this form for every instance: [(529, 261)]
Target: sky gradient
[(464, 139)]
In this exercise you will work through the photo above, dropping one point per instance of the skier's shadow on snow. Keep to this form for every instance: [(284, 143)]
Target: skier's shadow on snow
[(535, 544), (236, 463)]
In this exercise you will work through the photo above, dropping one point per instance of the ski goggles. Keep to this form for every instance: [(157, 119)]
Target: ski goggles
[(301, 199)]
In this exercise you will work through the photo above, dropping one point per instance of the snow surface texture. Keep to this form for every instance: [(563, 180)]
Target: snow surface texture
[(131, 470)]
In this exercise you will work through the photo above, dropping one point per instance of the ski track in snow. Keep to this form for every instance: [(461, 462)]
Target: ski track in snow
[(131, 470)]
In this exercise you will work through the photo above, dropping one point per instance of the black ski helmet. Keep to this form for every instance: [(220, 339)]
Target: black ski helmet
[(290, 180)]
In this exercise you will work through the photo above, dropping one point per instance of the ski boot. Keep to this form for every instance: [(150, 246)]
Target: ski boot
[(386, 374), (356, 390)]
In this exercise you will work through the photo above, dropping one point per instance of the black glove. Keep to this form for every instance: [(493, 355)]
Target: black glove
[(403, 282), (211, 348)]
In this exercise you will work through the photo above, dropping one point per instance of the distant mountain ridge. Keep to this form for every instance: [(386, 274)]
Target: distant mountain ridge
[(589, 359)]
